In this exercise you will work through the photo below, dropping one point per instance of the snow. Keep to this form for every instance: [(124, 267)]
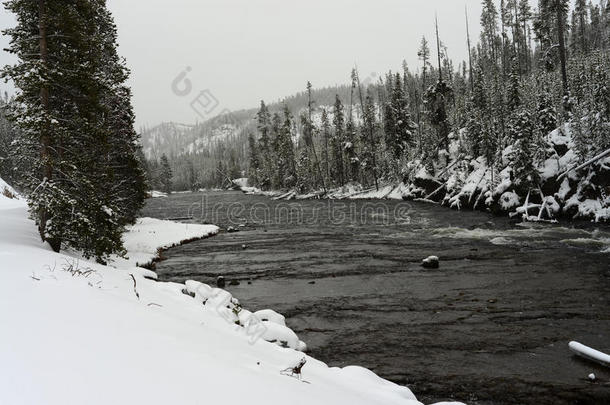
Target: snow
[(423, 174), (509, 200), (157, 194), (398, 192), (143, 239), (241, 182), (15, 199), (550, 168), (270, 315), (589, 353), (382, 193), (76, 332)]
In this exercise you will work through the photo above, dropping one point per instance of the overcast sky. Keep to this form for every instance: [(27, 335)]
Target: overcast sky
[(243, 51)]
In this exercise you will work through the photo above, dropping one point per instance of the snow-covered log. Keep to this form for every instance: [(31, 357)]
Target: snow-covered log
[(590, 353)]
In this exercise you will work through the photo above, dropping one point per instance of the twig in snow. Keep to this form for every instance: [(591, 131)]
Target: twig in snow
[(135, 286), (296, 370)]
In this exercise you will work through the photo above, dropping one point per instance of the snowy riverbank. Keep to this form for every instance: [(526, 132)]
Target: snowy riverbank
[(469, 183), (78, 332)]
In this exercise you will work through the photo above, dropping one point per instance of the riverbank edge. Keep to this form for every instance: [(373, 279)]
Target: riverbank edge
[(111, 306), (563, 189)]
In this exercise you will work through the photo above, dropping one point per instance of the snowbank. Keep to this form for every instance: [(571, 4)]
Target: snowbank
[(157, 194), (76, 332), (241, 182), (143, 240)]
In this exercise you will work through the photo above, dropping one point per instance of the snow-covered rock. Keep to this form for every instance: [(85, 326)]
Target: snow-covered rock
[(269, 315), (509, 200), (431, 262)]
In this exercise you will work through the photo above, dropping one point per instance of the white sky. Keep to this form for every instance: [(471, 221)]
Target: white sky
[(247, 50)]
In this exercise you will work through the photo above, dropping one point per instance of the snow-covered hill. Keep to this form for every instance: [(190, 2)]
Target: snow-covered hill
[(77, 332), (167, 138)]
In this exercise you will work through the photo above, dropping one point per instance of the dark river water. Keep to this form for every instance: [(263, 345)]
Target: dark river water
[(490, 326)]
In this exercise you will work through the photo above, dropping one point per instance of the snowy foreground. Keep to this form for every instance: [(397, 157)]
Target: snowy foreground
[(76, 332)]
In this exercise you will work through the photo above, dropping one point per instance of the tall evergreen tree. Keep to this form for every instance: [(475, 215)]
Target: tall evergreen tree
[(166, 174), (399, 128), (326, 164), (264, 147), (286, 170), (73, 109), (424, 55), (254, 161), (336, 144)]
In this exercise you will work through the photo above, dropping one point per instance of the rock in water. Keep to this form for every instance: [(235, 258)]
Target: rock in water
[(232, 229), (220, 282), (430, 262)]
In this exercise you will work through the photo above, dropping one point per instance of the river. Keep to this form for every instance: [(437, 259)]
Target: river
[(490, 326)]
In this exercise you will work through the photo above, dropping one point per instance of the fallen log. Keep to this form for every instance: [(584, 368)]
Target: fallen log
[(589, 353)]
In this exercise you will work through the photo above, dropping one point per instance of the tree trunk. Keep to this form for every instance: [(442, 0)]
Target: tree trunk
[(562, 44), (45, 135), (469, 54)]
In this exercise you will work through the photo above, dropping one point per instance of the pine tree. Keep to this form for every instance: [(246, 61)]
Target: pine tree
[(369, 130), (336, 144), (525, 175), (514, 96), (399, 128), (525, 15), (369, 144), (286, 171), (489, 24), (546, 114), (303, 171), (254, 161), (326, 164), (265, 150), (579, 27), (83, 178), (424, 55), (234, 170), (437, 100), (166, 174), (8, 133)]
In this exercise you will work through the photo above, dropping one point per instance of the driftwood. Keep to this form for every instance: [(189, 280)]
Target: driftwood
[(434, 192), (477, 186), (135, 286), (296, 370), (456, 161)]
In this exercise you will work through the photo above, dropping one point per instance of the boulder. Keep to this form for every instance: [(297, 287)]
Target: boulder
[(431, 262), (220, 282)]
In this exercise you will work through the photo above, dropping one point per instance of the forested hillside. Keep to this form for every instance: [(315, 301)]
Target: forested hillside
[(494, 132), (205, 154)]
